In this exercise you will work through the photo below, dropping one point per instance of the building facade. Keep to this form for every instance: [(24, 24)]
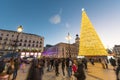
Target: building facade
[(116, 50), (63, 50), (14, 41)]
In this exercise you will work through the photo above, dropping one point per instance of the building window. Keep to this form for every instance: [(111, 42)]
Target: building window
[(6, 39), (25, 40), (2, 34), (5, 43), (33, 41), (0, 38), (36, 45), (12, 35), (21, 40), (24, 44), (40, 42), (28, 45), (29, 41), (20, 44), (40, 46), (17, 35), (33, 45), (39, 50), (7, 35)]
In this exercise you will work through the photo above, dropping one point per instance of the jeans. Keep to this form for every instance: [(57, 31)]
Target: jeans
[(69, 71), (15, 73), (56, 70), (63, 71)]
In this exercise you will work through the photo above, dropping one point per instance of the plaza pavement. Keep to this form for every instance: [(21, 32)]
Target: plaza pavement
[(100, 73), (94, 73), (21, 75)]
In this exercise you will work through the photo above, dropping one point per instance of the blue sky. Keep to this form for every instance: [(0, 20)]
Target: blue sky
[(53, 19)]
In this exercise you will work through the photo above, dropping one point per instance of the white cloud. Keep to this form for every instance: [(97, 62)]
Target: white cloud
[(56, 19), (67, 25)]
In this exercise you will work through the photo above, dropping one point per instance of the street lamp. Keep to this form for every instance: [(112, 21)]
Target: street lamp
[(19, 30), (68, 38)]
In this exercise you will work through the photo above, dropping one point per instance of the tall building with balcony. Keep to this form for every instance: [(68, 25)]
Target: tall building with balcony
[(25, 42), (63, 50)]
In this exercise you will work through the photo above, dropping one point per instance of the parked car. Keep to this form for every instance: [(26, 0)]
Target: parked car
[(27, 60)]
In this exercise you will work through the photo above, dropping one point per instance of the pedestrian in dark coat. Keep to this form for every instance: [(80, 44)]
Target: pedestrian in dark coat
[(16, 67), (2, 66), (118, 72), (118, 61), (38, 71), (56, 67), (113, 63), (63, 67), (80, 74), (84, 60)]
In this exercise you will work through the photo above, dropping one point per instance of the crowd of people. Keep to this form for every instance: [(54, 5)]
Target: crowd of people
[(73, 66), (9, 68)]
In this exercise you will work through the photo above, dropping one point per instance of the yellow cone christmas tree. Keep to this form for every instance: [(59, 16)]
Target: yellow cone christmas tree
[(90, 43)]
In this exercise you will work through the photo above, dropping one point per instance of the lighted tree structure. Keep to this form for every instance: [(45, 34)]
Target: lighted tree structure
[(90, 43)]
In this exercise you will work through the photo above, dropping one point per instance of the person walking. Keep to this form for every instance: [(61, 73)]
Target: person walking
[(92, 61), (67, 65), (84, 60), (74, 67), (10, 68), (118, 71), (106, 63), (103, 63), (52, 63), (3, 69), (2, 65), (42, 65), (118, 61), (63, 66), (80, 74), (16, 67), (48, 64), (56, 67), (70, 68), (37, 71), (113, 63)]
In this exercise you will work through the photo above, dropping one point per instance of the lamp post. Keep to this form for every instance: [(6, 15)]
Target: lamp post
[(19, 30), (68, 38)]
